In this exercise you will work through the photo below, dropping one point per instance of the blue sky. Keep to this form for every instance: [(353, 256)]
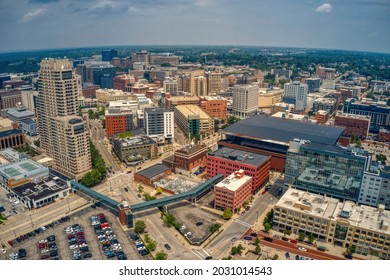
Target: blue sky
[(336, 24)]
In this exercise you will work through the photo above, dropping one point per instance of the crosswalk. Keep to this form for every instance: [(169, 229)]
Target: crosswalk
[(201, 254), (242, 223)]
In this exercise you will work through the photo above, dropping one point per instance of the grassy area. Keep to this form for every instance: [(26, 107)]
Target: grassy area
[(125, 134), (2, 217)]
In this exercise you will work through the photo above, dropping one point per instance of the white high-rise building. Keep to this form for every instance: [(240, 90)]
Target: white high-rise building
[(171, 86), (296, 93), (245, 100), (159, 124), (64, 136)]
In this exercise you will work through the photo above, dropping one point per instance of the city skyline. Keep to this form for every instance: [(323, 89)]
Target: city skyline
[(49, 24)]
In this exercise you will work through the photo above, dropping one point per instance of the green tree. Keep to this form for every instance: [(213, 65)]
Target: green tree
[(240, 248), (381, 158), (257, 240), (148, 197), (147, 238), (37, 143), (169, 220), (139, 226), (234, 250), (257, 249), (311, 238), (214, 227), (161, 255), (301, 236), (140, 188), (267, 227), (151, 246), (351, 250), (227, 214), (275, 257)]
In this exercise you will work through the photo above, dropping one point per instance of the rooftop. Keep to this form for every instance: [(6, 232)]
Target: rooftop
[(189, 110), (135, 141), (153, 171), (41, 189), (19, 112), (191, 149), (157, 110), (234, 182), (4, 132), (329, 101), (28, 121), (353, 116), (330, 208), (11, 155), (21, 169), (240, 156), (284, 130)]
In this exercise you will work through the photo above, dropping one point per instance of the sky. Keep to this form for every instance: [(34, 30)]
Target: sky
[(333, 24)]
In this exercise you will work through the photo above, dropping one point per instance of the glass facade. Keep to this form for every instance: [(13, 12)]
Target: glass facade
[(326, 170)]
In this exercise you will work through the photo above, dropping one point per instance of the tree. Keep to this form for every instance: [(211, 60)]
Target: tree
[(151, 246), (37, 143), (267, 227), (169, 220), (161, 255), (351, 250), (275, 257), (257, 249), (257, 241), (240, 248), (227, 214), (301, 236), (381, 158), (311, 238), (147, 238), (140, 188), (245, 204), (139, 226), (149, 197), (214, 227)]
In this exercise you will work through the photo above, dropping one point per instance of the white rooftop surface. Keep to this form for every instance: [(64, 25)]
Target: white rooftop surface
[(232, 183)]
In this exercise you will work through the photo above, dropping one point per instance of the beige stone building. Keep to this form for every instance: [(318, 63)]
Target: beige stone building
[(269, 97), (335, 222), (191, 119), (64, 136)]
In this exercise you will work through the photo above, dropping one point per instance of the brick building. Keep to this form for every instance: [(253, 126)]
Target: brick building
[(322, 116), (12, 137), (190, 158), (89, 90), (215, 106), (233, 191), (152, 174), (355, 125), (226, 161)]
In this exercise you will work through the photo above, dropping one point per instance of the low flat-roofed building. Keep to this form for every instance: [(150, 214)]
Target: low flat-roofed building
[(340, 223), (18, 114), (233, 191), (152, 174), (39, 193), (29, 126), (21, 172), (355, 125), (191, 158), (135, 149), (10, 155), (322, 116)]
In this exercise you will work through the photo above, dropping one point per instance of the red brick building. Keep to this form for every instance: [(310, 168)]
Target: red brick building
[(191, 158), (355, 125), (152, 174), (89, 90), (215, 106), (120, 82), (384, 135), (233, 191), (226, 161), (115, 124)]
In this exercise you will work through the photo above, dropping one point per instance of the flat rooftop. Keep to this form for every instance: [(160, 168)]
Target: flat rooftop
[(189, 150), (135, 141), (284, 130), (240, 156), (189, 110), (38, 190), (353, 116), (333, 209), (19, 113), (11, 155), (233, 183), (19, 169), (157, 110), (153, 171)]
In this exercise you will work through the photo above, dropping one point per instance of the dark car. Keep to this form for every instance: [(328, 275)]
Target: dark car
[(167, 246), (87, 255), (209, 258), (297, 257), (269, 239), (22, 253), (53, 253), (126, 189), (254, 234), (248, 238), (199, 223), (284, 238)]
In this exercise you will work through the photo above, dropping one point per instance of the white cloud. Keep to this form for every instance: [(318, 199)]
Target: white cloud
[(324, 8), (33, 14)]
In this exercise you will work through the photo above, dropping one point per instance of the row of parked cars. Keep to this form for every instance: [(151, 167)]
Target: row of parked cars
[(110, 245), (77, 242), (20, 255), (48, 248), (26, 236), (139, 245)]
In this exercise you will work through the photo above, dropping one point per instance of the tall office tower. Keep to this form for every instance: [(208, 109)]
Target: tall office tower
[(213, 82), (109, 54), (171, 86), (142, 56), (193, 81), (200, 86), (159, 123), (313, 84), (296, 93), (245, 100), (64, 135)]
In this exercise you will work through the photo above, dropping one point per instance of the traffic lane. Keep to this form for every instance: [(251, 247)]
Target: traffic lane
[(293, 248)]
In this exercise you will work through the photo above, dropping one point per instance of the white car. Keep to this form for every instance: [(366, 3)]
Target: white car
[(302, 249), (183, 227), (72, 247)]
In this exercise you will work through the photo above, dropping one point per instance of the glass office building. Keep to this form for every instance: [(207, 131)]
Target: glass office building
[(325, 169)]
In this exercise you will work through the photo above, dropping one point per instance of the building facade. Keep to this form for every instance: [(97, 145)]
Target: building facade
[(335, 222), (233, 191), (297, 93), (326, 104), (325, 169), (214, 106), (64, 136), (190, 158), (226, 161), (192, 120), (245, 100), (159, 124), (355, 125), (129, 149), (213, 82)]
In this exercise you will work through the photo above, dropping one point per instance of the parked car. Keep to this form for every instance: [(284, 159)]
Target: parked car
[(167, 246)]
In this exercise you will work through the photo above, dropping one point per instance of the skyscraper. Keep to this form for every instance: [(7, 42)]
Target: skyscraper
[(296, 93), (64, 135), (245, 99)]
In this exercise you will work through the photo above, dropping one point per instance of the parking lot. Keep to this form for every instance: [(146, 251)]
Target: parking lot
[(83, 220), (195, 220)]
